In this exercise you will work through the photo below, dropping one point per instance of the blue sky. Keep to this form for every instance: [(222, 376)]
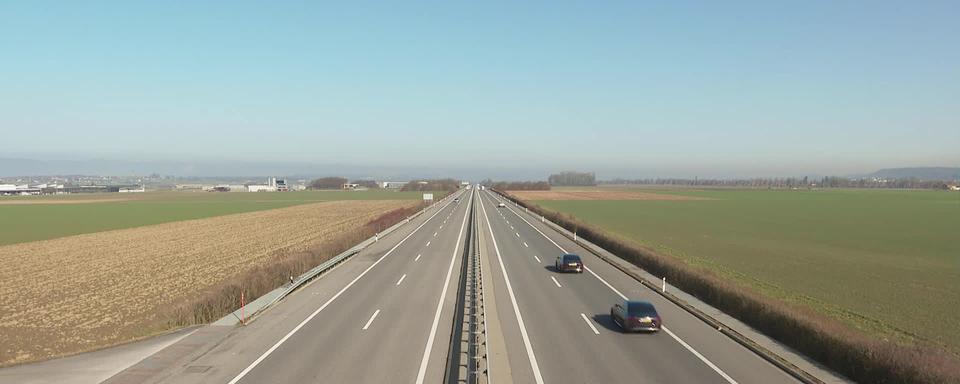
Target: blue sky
[(628, 88)]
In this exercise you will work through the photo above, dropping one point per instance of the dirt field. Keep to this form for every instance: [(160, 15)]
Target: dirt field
[(77, 293), (597, 195)]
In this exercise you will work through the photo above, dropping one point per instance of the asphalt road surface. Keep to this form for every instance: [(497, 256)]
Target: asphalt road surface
[(566, 334), (386, 316)]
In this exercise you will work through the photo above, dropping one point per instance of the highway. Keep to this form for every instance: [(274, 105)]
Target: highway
[(386, 316), (569, 335)]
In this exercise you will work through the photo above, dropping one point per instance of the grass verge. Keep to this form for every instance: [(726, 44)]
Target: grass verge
[(848, 351)]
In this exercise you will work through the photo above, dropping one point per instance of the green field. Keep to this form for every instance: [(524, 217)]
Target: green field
[(886, 261), (51, 218)]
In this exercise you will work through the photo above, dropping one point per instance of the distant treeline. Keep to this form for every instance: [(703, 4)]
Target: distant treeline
[(448, 185), (570, 178), (327, 183), (517, 185), (792, 182)]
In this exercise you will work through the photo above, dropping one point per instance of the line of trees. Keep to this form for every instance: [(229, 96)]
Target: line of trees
[(369, 184), (517, 185), (570, 178), (448, 185), (792, 182), (327, 183)]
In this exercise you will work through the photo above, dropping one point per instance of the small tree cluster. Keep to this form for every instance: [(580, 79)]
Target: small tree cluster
[(328, 183), (573, 179)]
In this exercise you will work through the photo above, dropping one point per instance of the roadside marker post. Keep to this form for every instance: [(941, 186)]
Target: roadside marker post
[(243, 317), (664, 289)]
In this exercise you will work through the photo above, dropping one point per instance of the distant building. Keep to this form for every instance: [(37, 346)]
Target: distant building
[(23, 189), (350, 186), (954, 187), (131, 189), (393, 184), (261, 188), (273, 185)]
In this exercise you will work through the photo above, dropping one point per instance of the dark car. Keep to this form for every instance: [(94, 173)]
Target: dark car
[(569, 262), (636, 316)]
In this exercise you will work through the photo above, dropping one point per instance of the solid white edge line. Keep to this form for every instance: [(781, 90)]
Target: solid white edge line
[(622, 296), (443, 295), (675, 337), (697, 354), (401, 278), (538, 259), (314, 314), (513, 300), (418, 257), (595, 331), (367, 325)]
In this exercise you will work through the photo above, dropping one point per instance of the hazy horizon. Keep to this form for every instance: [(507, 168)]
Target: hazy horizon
[(11, 167), (683, 89)]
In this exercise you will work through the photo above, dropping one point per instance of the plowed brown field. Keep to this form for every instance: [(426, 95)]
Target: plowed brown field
[(77, 293)]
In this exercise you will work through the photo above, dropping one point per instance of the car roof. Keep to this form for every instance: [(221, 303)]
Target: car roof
[(570, 255)]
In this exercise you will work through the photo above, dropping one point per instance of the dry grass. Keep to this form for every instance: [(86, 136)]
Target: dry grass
[(597, 195), (77, 293)]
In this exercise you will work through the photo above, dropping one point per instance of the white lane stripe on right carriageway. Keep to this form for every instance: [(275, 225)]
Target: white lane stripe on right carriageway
[(674, 336), (594, 329), (513, 301), (367, 325)]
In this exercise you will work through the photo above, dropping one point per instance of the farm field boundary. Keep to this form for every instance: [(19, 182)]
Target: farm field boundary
[(36, 218), (848, 351), (90, 291)]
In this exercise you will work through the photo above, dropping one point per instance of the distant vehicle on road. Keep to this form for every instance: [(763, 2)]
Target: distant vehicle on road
[(569, 262), (632, 315), (456, 199), (501, 205)]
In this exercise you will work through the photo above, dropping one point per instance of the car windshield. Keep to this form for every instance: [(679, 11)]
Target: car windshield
[(571, 258), (641, 309)]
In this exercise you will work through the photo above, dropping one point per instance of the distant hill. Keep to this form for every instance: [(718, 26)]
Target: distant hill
[(923, 173)]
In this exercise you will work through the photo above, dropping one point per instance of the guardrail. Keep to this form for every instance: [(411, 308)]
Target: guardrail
[(344, 256), (467, 354), (759, 350)]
